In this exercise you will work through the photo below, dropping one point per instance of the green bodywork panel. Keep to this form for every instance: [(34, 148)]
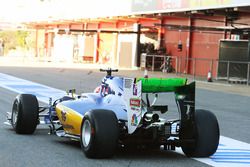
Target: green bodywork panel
[(154, 85)]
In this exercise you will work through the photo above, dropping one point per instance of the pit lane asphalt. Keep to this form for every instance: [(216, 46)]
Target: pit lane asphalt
[(41, 149)]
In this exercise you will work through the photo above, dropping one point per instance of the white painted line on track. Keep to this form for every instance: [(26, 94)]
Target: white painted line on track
[(18, 85), (213, 83), (231, 153)]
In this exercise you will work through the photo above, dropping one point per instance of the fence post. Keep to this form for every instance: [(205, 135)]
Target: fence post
[(194, 69), (164, 64), (153, 62), (176, 65), (248, 71), (228, 67), (211, 67), (180, 60)]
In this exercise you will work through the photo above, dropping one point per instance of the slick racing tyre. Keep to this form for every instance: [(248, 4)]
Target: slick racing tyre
[(24, 116), (99, 133), (206, 135)]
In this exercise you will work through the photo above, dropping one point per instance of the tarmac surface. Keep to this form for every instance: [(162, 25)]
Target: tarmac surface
[(230, 103), (200, 83)]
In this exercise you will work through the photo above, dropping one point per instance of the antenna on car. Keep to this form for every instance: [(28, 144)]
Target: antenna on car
[(109, 71)]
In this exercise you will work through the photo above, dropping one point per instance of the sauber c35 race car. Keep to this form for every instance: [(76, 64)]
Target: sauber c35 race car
[(120, 113)]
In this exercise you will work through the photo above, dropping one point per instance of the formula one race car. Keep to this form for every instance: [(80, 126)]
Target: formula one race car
[(120, 113)]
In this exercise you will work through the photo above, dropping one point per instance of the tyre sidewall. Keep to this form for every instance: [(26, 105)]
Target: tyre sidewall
[(206, 135), (27, 114), (89, 150), (16, 106), (104, 134)]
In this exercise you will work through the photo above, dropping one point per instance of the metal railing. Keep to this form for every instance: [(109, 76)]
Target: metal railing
[(230, 71)]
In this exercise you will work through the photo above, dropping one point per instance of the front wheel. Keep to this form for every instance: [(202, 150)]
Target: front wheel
[(99, 134), (206, 135), (24, 116)]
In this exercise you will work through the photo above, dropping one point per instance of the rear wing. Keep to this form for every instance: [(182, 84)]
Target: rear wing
[(133, 89), (156, 85)]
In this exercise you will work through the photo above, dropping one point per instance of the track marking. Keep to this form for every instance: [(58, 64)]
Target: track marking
[(230, 153), (19, 85), (214, 83)]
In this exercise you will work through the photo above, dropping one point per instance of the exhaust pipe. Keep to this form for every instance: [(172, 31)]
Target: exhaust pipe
[(152, 117)]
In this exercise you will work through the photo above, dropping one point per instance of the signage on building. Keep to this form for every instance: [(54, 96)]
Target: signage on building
[(160, 6)]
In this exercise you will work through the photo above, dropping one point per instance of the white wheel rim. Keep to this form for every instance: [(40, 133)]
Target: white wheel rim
[(15, 114), (86, 133)]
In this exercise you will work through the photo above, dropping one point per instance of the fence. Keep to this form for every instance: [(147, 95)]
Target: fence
[(230, 71), (44, 54)]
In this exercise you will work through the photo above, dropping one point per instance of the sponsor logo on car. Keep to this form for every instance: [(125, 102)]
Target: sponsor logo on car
[(135, 90), (67, 126), (63, 113), (134, 120), (135, 102)]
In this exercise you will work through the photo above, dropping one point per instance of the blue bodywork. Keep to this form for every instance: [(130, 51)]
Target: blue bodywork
[(109, 97)]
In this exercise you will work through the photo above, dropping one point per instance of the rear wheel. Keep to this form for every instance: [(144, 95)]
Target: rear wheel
[(25, 113), (99, 133), (206, 135)]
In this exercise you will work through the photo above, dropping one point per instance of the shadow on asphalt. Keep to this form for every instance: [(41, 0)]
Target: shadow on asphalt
[(141, 154), (120, 154), (135, 154)]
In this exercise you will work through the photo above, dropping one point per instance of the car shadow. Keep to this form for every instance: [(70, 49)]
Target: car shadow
[(135, 154), (121, 154), (147, 153)]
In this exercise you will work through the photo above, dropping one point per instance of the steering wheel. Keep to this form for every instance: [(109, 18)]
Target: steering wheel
[(109, 71)]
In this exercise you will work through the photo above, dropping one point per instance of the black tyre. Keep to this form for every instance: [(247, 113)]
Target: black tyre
[(206, 135), (25, 113), (99, 134)]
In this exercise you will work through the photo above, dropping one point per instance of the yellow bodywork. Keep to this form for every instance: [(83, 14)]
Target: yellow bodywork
[(70, 119)]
